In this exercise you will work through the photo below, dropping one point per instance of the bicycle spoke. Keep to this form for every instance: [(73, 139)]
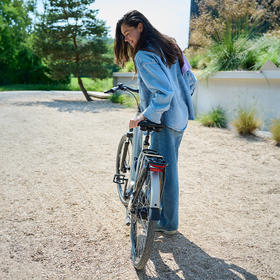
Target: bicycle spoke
[(142, 229)]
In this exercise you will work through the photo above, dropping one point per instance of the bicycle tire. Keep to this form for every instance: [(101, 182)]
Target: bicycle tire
[(142, 228), (123, 159)]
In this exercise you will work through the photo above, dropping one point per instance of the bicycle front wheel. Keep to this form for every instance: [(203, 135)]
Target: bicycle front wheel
[(142, 228), (123, 167)]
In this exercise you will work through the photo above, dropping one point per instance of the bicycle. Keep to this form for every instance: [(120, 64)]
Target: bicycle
[(140, 176)]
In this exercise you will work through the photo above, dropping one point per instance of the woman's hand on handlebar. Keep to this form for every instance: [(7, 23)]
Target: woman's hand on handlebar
[(135, 121)]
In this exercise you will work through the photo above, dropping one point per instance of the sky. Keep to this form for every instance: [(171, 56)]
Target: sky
[(170, 17)]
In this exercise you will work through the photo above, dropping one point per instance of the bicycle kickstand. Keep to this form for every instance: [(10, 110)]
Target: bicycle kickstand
[(127, 219)]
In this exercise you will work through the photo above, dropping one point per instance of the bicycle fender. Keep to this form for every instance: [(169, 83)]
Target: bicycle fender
[(154, 212)]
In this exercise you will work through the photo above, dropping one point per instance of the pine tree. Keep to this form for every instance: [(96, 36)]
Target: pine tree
[(72, 40)]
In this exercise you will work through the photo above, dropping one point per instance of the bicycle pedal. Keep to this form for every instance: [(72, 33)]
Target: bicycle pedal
[(119, 179)]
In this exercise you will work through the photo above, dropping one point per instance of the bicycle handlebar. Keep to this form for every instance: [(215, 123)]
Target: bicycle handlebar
[(145, 124), (121, 87), (125, 88)]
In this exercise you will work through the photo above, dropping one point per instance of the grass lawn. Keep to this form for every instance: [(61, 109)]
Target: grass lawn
[(89, 84)]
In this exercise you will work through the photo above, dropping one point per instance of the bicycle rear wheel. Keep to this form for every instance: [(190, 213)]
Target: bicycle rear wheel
[(123, 167), (142, 228)]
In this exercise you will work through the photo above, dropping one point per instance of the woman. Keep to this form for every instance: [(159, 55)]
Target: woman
[(164, 97)]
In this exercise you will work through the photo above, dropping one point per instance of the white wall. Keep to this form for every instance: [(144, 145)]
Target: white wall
[(127, 78), (231, 90), (247, 89)]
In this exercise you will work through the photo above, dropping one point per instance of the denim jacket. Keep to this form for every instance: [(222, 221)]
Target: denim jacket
[(164, 92)]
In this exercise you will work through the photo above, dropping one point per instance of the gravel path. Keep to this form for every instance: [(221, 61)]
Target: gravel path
[(60, 217)]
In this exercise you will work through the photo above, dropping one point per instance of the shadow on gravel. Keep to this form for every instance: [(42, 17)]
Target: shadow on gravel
[(251, 138), (191, 262), (71, 106)]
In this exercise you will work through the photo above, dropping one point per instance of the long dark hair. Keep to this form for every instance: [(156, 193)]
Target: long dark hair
[(161, 44)]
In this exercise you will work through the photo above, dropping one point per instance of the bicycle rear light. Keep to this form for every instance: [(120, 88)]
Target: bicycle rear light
[(157, 167)]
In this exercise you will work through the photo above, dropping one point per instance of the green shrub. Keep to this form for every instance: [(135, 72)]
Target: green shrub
[(34, 87), (228, 55), (227, 51), (91, 84), (216, 118), (194, 60), (266, 48), (236, 47), (249, 60), (123, 99), (115, 98), (275, 131), (129, 67), (198, 59), (246, 122), (239, 53)]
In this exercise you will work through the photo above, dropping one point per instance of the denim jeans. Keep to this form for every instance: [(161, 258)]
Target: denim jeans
[(167, 143)]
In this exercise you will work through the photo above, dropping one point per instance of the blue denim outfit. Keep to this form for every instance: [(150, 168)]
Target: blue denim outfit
[(167, 143), (164, 92), (165, 98)]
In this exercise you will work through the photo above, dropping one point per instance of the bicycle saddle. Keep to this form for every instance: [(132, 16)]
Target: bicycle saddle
[(148, 125)]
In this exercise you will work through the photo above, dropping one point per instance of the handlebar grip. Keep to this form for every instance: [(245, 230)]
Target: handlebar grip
[(121, 87), (112, 90)]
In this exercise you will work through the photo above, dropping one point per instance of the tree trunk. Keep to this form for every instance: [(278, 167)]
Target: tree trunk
[(80, 82)]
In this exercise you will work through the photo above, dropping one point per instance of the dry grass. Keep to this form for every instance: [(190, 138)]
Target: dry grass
[(275, 131), (246, 122)]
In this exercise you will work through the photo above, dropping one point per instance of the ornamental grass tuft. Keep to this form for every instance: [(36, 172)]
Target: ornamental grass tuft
[(275, 131), (246, 122), (215, 118)]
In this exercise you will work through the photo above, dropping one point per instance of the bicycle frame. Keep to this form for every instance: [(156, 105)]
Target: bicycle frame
[(146, 161), (140, 176), (137, 142)]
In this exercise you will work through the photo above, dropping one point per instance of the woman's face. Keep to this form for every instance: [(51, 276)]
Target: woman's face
[(132, 34)]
